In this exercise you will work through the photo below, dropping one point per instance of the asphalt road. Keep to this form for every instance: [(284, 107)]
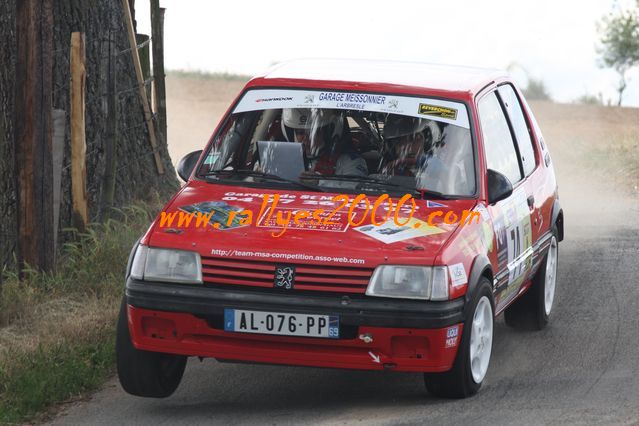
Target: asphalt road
[(583, 368)]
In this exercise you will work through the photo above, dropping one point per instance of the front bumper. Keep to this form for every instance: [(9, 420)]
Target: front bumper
[(407, 335)]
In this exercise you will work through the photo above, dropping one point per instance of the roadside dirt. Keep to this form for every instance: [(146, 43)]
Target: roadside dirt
[(595, 187), (194, 107)]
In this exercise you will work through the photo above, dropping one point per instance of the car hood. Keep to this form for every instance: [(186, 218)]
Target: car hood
[(339, 243)]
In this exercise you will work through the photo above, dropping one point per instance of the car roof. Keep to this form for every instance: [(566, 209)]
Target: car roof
[(381, 74)]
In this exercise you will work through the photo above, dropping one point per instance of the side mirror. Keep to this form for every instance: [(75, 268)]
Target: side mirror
[(499, 187), (186, 164)]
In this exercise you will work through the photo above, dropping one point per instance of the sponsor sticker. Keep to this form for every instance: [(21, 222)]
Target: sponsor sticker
[(215, 213), (452, 333), (438, 111), (285, 217), (458, 274), (390, 232), (433, 204), (283, 99)]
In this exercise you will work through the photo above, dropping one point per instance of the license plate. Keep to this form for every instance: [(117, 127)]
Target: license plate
[(285, 324)]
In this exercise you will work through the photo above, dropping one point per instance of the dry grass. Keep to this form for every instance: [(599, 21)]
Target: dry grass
[(60, 319), (591, 141), (57, 330)]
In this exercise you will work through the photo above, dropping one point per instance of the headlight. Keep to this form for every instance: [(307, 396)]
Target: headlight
[(409, 282), (157, 264)]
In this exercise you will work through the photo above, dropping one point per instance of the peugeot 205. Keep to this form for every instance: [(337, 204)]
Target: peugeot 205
[(350, 214)]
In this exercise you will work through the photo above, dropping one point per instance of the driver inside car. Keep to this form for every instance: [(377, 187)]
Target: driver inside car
[(410, 142), (321, 132)]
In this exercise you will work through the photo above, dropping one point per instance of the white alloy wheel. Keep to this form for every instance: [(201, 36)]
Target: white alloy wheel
[(551, 276), (481, 339)]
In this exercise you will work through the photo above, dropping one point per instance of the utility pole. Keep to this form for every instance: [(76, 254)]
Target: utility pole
[(157, 42), (33, 133)]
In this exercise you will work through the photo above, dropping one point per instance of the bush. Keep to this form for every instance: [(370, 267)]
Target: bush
[(536, 90), (587, 99)]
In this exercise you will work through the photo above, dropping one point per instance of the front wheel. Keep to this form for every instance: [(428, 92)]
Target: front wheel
[(144, 373), (473, 354)]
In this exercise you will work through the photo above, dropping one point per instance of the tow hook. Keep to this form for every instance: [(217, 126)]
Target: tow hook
[(367, 337)]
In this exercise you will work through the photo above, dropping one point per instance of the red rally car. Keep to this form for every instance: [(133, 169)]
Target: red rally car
[(350, 214)]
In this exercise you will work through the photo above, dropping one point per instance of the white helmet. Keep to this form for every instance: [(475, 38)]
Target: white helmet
[(307, 118), (312, 119)]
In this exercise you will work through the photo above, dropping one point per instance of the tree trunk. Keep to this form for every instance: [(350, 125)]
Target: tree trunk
[(622, 85), (136, 175), (33, 134), (8, 219)]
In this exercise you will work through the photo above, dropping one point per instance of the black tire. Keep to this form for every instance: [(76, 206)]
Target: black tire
[(143, 373), (458, 382), (529, 311)]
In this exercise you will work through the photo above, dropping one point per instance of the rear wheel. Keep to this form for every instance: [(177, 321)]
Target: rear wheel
[(144, 373), (533, 309), (473, 354)]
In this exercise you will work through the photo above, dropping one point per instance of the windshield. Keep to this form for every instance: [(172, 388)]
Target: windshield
[(336, 140)]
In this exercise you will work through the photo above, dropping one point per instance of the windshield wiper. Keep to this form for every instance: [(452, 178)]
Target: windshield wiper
[(429, 193), (374, 181), (425, 193), (359, 178), (255, 173)]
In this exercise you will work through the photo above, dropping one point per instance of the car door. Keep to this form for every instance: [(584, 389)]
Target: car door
[(511, 217), (522, 134)]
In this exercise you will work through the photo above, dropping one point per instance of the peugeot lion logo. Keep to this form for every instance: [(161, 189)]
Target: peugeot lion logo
[(284, 277)]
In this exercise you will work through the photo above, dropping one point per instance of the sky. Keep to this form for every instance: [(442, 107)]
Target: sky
[(554, 41)]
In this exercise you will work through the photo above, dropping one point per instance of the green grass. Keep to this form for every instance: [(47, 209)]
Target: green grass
[(57, 330), (54, 373), (206, 75)]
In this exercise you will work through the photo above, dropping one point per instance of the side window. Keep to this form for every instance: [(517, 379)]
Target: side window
[(534, 124), (498, 142), (518, 121)]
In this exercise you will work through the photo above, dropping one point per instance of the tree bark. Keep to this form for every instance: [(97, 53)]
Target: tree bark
[(33, 134), (622, 86), (111, 132), (8, 224)]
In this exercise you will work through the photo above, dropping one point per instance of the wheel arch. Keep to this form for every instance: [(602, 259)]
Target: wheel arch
[(130, 261), (481, 268), (558, 218)]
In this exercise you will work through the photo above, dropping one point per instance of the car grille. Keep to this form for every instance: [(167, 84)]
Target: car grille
[(340, 279)]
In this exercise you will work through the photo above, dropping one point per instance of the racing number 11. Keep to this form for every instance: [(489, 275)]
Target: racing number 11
[(514, 252)]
